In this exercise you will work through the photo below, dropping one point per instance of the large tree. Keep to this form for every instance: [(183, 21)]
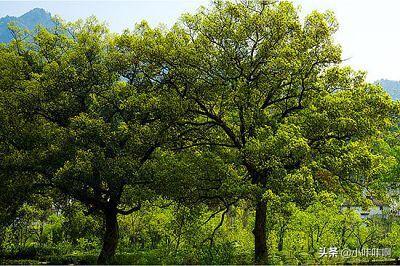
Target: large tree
[(267, 88), (76, 123), (15, 188)]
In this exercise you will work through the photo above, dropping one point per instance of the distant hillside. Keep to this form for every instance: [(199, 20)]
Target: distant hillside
[(30, 20), (392, 87)]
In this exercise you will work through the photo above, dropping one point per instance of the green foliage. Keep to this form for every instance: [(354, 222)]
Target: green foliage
[(151, 236), (197, 133)]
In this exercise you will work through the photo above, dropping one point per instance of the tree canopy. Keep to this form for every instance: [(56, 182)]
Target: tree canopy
[(238, 101), (269, 89)]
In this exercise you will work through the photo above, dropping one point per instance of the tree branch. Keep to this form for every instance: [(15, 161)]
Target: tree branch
[(136, 208)]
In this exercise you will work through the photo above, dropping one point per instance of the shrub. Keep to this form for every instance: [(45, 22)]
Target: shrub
[(72, 259)]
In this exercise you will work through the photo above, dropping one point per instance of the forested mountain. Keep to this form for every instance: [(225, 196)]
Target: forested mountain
[(29, 20), (391, 86)]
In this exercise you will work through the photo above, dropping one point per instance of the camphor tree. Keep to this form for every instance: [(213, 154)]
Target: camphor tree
[(77, 125), (267, 88)]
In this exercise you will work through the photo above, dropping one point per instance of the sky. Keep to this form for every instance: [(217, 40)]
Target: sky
[(369, 29)]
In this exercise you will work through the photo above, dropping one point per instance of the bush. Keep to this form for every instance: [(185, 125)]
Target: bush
[(90, 258), (127, 258), (28, 252), (72, 259)]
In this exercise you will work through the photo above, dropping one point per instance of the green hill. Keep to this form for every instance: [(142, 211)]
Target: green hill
[(29, 20), (392, 87)]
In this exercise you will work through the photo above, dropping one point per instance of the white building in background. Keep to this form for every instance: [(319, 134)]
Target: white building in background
[(379, 209)]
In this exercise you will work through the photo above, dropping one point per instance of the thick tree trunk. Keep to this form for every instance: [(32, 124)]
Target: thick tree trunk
[(110, 239), (259, 231)]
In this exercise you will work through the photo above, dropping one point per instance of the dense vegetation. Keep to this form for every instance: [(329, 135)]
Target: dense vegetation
[(179, 235), (233, 137)]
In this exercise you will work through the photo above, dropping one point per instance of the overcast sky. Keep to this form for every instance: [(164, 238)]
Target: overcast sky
[(369, 29)]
